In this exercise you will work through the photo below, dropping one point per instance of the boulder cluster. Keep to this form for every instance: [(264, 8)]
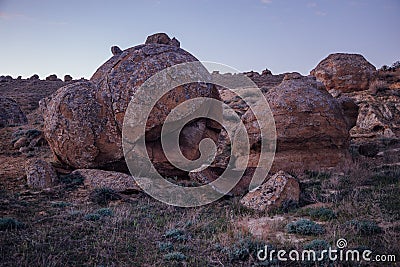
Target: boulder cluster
[(315, 116)]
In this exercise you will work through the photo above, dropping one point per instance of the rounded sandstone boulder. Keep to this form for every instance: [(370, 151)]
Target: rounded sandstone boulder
[(345, 72)]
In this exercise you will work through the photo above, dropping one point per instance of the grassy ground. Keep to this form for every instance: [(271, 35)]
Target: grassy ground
[(49, 228)]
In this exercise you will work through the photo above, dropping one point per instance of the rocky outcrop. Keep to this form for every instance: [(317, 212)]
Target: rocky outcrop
[(379, 115), (84, 120), (119, 182), (10, 113), (279, 191), (345, 72), (162, 38), (40, 174)]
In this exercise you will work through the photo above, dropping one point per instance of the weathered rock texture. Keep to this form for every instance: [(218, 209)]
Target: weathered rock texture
[(280, 190), (312, 128), (348, 76), (10, 113), (84, 120), (345, 72), (40, 174), (119, 182)]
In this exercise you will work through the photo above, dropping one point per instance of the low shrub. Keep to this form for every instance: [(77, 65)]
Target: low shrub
[(322, 214), (304, 227)]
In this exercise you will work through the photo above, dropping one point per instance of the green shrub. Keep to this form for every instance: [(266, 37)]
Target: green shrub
[(175, 256), (322, 214), (176, 234), (165, 246), (304, 227), (9, 224), (72, 181), (241, 250), (104, 212), (317, 245), (92, 217), (60, 204), (365, 227)]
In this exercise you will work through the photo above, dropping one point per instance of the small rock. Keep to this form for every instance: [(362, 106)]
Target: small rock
[(279, 190), (40, 174), (52, 77), (158, 38), (162, 38), (175, 42), (119, 182), (23, 141), (67, 78), (24, 149), (115, 50), (34, 77)]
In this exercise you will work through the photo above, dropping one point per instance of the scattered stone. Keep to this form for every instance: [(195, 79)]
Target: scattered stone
[(280, 190), (40, 174), (115, 50), (67, 78), (23, 141), (52, 77), (4, 79), (345, 72), (119, 182), (34, 77), (10, 113)]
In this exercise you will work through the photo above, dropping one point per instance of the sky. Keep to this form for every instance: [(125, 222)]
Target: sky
[(74, 37)]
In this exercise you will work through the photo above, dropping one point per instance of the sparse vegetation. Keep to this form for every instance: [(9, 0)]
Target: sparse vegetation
[(322, 214), (10, 224), (304, 227), (175, 256), (103, 196), (377, 86), (365, 227)]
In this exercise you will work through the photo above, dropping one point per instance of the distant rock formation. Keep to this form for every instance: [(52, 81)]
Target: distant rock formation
[(67, 78), (345, 72), (52, 77), (10, 113), (34, 77)]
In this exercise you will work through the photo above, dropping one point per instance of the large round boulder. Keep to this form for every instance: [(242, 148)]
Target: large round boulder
[(312, 131), (345, 72), (311, 126), (84, 120)]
